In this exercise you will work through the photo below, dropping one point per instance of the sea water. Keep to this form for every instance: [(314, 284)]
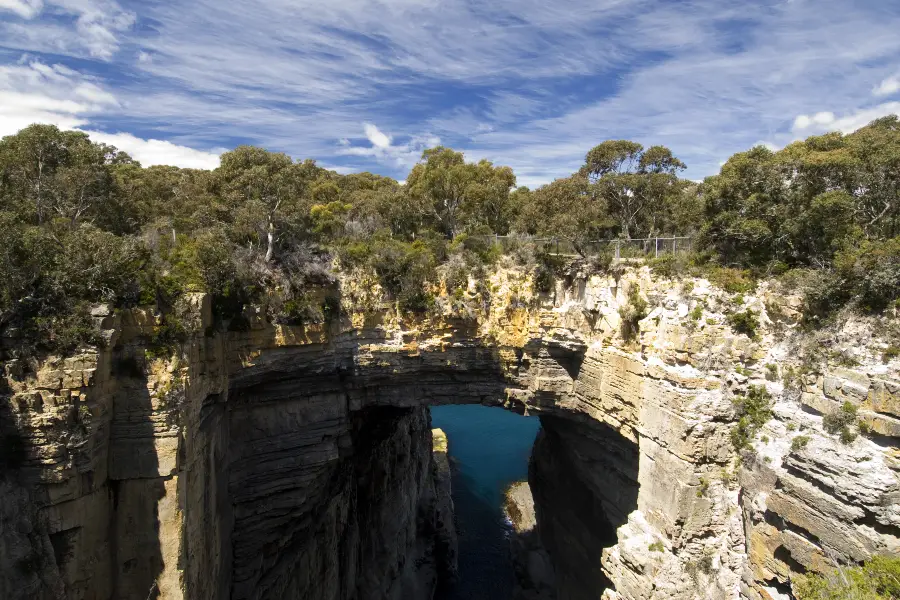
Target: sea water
[(489, 449)]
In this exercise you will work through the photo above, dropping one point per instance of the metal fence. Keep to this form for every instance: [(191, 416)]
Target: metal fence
[(621, 249)]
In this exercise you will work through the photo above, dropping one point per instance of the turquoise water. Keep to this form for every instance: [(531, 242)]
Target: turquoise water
[(489, 449)]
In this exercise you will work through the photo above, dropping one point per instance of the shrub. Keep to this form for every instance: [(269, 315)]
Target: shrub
[(656, 547), (799, 442), (403, 269), (753, 410), (703, 487), (788, 376), (877, 579), (666, 265), (632, 312), (890, 353), (840, 422), (873, 270), (697, 312), (735, 281), (745, 322), (771, 372), (167, 337)]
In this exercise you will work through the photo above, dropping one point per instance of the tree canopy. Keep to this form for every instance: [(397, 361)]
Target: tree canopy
[(83, 222)]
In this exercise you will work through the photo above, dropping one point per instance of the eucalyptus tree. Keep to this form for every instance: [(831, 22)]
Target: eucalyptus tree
[(460, 195), (636, 185)]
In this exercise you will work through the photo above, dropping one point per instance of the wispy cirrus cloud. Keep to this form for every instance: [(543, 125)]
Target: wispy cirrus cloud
[(72, 27), (368, 84)]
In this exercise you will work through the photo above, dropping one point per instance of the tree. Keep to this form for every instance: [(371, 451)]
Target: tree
[(567, 208), (460, 195), (636, 185), (270, 182), (47, 173), (876, 150)]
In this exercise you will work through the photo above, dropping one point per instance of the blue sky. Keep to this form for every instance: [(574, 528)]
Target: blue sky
[(367, 84)]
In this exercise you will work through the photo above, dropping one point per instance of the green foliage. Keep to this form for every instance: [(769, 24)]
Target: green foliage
[(841, 421), (703, 487), (890, 353), (83, 223), (656, 547), (799, 442), (735, 281), (632, 312), (697, 312), (462, 195), (753, 410), (636, 186), (877, 579), (403, 269), (666, 265), (745, 322), (771, 372)]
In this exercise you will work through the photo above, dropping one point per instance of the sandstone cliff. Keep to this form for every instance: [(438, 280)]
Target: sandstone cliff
[(280, 462)]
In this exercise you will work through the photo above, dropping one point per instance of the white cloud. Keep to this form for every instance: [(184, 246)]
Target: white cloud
[(383, 151), (822, 122), (95, 30), (889, 86), (378, 139), (524, 83), (821, 119), (34, 92), (27, 9), (158, 152)]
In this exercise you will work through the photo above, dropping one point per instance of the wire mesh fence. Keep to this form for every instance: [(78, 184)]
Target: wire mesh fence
[(620, 249)]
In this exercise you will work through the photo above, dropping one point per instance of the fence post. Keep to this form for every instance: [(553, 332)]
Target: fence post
[(655, 247), (618, 247), (674, 246)]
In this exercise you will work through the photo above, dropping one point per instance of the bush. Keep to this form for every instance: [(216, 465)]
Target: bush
[(873, 271), (735, 281), (632, 313), (403, 269), (656, 547), (877, 579), (753, 410), (745, 322), (666, 265), (840, 422), (799, 442), (890, 353)]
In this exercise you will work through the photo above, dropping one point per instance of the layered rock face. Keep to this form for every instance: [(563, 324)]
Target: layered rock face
[(534, 575), (284, 462)]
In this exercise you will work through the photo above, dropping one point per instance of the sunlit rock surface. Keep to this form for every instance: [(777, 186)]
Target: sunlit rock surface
[(290, 462)]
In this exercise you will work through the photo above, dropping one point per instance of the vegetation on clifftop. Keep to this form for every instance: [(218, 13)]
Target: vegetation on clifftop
[(83, 223), (877, 579)]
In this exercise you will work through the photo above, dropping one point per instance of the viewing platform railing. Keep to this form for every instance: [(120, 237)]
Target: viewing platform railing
[(622, 249)]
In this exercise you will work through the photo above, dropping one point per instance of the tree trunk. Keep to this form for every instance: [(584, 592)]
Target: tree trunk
[(270, 250)]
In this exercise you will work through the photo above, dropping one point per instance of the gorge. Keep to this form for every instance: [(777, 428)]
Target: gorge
[(296, 462)]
